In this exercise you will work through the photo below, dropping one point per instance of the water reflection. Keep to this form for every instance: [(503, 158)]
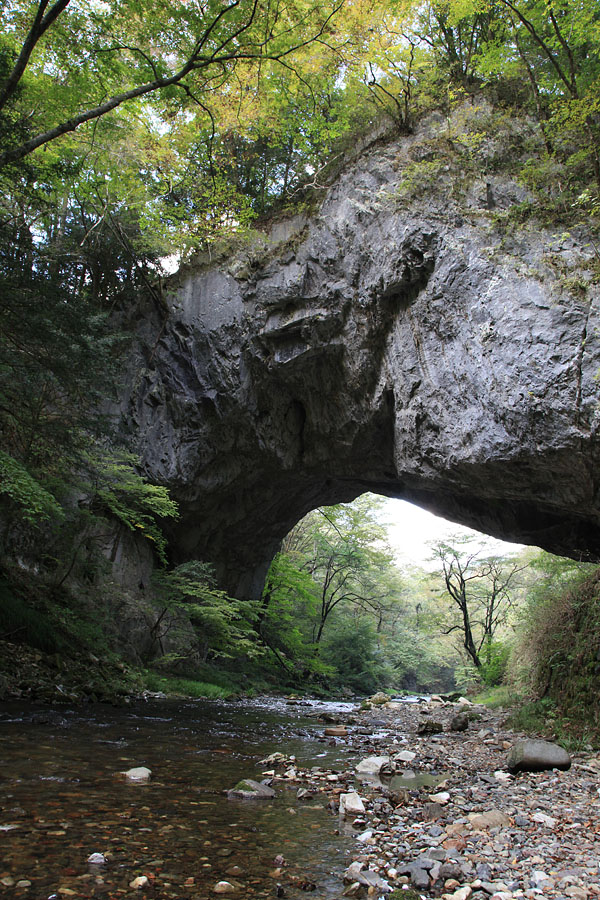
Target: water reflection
[(62, 799)]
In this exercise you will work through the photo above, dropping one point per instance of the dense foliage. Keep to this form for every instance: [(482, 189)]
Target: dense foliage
[(554, 666), (134, 134), (336, 607)]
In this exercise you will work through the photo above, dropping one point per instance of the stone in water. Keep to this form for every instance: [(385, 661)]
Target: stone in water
[(138, 775), (372, 765), (351, 804)]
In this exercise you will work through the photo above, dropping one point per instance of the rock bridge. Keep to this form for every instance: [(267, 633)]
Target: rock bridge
[(413, 348)]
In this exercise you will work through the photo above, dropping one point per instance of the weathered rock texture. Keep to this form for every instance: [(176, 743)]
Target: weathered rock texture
[(536, 756), (410, 347)]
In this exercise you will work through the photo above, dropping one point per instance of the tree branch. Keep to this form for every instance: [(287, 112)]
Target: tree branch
[(41, 24), (572, 88), (195, 62)]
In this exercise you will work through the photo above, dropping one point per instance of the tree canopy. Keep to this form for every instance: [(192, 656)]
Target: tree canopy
[(133, 133), (481, 588), (86, 60)]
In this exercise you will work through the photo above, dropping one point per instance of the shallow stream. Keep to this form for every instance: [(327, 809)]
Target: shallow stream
[(62, 799)]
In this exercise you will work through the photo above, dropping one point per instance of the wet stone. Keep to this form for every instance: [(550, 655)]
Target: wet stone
[(224, 887), (138, 775), (248, 789), (498, 859)]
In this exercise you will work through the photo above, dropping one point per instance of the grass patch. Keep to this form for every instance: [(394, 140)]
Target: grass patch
[(171, 685), (534, 715), (545, 717), (498, 697)]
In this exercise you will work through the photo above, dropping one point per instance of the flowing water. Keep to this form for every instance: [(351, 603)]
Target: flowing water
[(62, 799)]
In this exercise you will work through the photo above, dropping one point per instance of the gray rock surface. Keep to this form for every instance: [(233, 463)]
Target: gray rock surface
[(459, 722), (372, 765), (536, 756), (412, 347), (248, 789)]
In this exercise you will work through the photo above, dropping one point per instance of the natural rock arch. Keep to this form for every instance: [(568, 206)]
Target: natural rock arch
[(414, 349)]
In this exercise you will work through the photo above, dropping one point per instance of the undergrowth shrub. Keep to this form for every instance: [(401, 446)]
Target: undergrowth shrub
[(23, 624), (494, 667), (556, 658), (186, 686)]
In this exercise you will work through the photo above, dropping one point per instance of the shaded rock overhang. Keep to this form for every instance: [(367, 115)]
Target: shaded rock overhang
[(416, 349)]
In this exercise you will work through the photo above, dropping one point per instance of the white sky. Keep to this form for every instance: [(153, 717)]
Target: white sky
[(411, 528)]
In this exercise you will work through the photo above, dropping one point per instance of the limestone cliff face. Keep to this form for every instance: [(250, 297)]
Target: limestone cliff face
[(411, 347)]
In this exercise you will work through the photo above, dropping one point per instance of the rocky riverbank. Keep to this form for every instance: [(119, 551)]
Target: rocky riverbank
[(27, 674), (447, 818)]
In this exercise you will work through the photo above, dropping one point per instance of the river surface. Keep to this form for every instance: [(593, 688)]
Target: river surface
[(62, 799)]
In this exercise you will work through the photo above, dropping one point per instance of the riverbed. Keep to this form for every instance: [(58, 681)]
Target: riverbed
[(62, 798), (447, 820)]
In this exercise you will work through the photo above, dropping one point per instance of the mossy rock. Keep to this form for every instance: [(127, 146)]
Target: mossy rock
[(379, 699), (248, 789), (401, 894), (244, 786), (430, 727)]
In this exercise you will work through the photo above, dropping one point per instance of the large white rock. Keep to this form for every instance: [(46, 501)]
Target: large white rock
[(351, 804), (138, 775), (372, 765)]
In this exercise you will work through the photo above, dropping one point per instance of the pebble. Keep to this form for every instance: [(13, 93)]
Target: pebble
[(406, 756), (224, 887), (489, 835), (139, 882), (364, 837), (462, 893), (138, 775), (544, 819)]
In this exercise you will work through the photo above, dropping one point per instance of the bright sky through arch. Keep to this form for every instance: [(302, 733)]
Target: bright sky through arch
[(411, 529)]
